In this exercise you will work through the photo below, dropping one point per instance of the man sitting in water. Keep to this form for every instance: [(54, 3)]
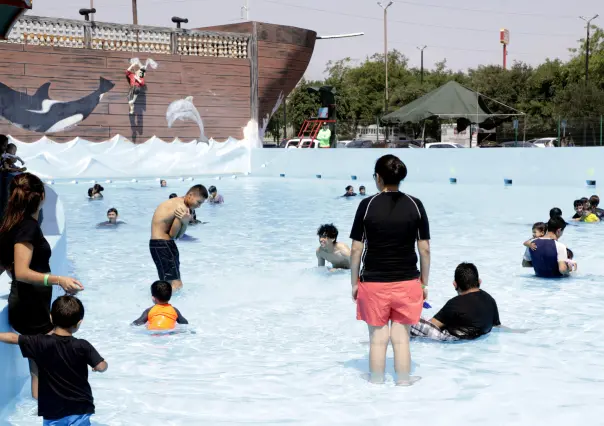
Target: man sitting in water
[(169, 223), (470, 314), (349, 192), (549, 256), (161, 316), (112, 216), (338, 254)]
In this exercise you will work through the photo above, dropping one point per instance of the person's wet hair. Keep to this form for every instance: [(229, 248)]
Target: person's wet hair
[(3, 143), (540, 226), (90, 192), (361, 188), (391, 169), (594, 200), (67, 311), (555, 212), (569, 254), (112, 210), (162, 291), (328, 230), (212, 189), (11, 146), (98, 188), (556, 224), (466, 276), (349, 187), (584, 200), (577, 203), (173, 195), (199, 190)]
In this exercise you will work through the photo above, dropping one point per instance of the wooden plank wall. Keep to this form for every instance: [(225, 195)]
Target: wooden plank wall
[(220, 88)]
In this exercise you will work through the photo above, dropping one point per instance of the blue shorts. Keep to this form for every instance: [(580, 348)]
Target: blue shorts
[(75, 420)]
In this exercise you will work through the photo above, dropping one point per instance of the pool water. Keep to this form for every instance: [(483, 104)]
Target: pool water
[(276, 340)]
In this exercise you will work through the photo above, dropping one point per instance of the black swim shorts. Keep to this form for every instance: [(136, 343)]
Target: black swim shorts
[(166, 258)]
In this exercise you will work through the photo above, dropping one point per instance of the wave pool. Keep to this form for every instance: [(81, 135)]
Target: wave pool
[(276, 340)]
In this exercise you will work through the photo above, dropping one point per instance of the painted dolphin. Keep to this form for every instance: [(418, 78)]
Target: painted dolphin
[(39, 113), (185, 110)]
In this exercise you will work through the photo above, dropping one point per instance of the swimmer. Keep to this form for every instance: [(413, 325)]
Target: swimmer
[(589, 214), (349, 192), (112, 216), (555, 212), (163, 183), (95, 192), (594, 200), (362, 191), (338, 254), (578, 206), (539, 230), (215, 197), (161, 316), (572, 265), (169, 223)]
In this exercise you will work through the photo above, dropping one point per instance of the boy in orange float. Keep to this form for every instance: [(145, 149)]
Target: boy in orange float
[(162, 316)]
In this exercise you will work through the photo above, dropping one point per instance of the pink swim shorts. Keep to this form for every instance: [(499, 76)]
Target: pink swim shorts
[(379, 303)]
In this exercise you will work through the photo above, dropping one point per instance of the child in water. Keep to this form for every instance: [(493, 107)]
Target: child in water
[(539, 230), (572, 265), (161, 316)]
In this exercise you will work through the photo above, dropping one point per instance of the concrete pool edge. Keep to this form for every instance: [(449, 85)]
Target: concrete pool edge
[(13, 367), (553, 166)]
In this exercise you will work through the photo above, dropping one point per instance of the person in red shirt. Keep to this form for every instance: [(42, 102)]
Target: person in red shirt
[(137, 83)]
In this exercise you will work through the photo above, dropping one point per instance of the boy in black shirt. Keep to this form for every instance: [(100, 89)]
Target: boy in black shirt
[(470, 314), (64, 394)]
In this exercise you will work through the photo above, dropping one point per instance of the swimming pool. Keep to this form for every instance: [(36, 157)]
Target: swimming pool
[(277, 341)]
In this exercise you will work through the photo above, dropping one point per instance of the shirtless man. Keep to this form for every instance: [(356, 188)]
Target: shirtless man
[(169, 223), (338, 254)]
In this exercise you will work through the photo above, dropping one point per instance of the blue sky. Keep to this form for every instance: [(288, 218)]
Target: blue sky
[(464, 32)]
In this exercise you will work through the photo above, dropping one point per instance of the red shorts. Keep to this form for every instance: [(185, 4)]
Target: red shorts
[(378, 303)]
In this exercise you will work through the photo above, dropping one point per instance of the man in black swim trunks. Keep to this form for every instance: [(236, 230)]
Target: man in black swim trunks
[(169, 223)]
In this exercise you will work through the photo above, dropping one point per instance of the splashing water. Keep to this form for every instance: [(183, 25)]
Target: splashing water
[(251, 134), (150, 63), (184, 110)]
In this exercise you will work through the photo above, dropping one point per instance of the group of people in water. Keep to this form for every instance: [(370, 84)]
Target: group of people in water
[(390, 236)]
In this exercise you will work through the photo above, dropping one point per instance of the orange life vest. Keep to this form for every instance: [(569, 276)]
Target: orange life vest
[(162, 317)]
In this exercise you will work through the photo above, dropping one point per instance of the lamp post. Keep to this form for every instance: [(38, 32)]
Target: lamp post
[(134, 13), (92, 7), (385, 7), (588, 21), (245, 11), (421, 49)]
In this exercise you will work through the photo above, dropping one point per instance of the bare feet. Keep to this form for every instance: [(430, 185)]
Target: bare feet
[(408, 381)]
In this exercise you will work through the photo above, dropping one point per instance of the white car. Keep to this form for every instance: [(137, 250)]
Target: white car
[(545, 142), (444, 145), (305, 143)]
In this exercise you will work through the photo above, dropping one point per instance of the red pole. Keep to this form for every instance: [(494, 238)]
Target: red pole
[(505, 56)]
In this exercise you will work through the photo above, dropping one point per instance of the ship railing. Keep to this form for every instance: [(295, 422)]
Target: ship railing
[(56, 32)]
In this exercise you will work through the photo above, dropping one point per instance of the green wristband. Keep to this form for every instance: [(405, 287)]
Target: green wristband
[(424, 286), (46, 277)]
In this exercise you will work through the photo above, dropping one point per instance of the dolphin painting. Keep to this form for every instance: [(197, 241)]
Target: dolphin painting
[(39, 113)]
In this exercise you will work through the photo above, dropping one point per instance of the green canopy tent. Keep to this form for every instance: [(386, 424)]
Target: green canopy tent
[(10, 12), (451, 101)]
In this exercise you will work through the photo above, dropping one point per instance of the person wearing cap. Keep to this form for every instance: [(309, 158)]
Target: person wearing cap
[(215, 197)]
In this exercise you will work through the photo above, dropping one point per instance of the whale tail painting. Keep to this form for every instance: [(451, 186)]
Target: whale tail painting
[(185, 110), (40, 113)]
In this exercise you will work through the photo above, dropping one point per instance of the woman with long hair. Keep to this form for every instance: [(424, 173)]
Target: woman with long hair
[(389, 289), (25, 254)]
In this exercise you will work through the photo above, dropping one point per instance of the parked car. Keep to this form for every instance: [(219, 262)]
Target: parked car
[(444, 145), (343, 144), (519, 144), (360, 143), (546, 142), (405, 144)]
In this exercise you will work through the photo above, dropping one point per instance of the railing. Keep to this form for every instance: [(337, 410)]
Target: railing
[(39, 31)]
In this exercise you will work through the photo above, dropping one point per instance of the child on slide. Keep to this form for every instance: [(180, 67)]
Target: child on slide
[(161, 316)]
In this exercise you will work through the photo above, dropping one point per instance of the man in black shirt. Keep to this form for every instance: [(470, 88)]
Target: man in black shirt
[(470, 314), (64, 393)]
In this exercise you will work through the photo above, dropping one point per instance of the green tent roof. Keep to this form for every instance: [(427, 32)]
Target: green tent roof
[(449, 101)]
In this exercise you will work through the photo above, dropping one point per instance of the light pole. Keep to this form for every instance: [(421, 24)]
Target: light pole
[(134, 14), (385, 7), (245, 11), (92, 7), (588, 21), (421, 49)]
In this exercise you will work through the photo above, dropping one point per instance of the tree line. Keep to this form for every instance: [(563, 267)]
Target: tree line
[(553, 92)]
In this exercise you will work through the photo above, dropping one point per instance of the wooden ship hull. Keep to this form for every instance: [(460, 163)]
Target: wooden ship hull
[(54, 71)]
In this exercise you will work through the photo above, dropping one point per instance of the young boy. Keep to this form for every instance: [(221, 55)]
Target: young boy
[(64, 394), (362, 191), (594, 200), (589, 214), (572, 265), (578, 205), (338, 254), (539, 230), (215, 197), (10, 159), (161, 316)]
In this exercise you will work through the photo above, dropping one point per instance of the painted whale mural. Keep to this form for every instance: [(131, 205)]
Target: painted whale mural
[(39, 113)]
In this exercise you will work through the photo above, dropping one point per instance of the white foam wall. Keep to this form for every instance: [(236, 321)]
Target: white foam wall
[(14, 372)]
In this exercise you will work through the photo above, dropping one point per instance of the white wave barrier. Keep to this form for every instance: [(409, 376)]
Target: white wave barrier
[(120, 158)]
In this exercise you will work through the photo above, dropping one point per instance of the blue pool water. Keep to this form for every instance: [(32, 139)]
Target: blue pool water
[(276, 339)]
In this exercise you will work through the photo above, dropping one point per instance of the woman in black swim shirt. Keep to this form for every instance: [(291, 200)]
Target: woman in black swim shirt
[(389, 289), (25, 254)]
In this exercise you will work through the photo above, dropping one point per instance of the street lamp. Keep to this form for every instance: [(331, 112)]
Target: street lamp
[(421, 49), (245, 11), (588, 21), (385, 7)]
